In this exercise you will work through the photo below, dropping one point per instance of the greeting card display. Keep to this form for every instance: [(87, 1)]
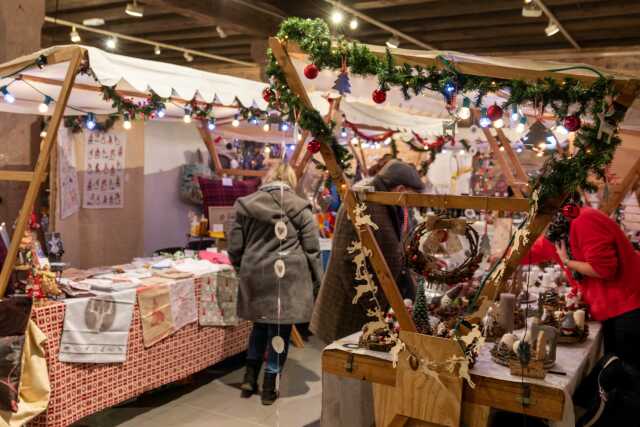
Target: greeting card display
[(104, 165)]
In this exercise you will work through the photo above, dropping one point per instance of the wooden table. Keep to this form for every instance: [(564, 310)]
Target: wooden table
[(495, 387)]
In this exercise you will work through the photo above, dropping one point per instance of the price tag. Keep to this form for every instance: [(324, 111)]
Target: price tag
[(227, 182)]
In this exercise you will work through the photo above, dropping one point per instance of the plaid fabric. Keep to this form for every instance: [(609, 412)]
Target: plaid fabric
[(79, 390), (216, 194)]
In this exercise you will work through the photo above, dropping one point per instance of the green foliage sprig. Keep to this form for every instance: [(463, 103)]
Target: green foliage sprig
[(561, 173)]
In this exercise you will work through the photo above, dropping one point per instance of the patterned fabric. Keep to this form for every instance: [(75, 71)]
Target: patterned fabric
[(96, 330), (34, 383), (183, 303), (155, 312), (216, 194), (219, 299), (79, 390), (14, 315)]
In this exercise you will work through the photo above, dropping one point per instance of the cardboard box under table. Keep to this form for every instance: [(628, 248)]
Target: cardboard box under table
[(81, 389), (347, 399)]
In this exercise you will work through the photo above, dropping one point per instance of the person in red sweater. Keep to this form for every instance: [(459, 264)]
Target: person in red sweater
[(601, 262)]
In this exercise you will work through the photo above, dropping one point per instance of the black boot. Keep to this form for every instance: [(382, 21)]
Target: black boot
[(250, 384), (269, 393)]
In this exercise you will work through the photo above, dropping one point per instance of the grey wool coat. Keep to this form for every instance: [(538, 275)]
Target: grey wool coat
[(254, 248), (335, 316)]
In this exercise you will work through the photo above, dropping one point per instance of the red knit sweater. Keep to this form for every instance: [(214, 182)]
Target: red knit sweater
[(597, 239)]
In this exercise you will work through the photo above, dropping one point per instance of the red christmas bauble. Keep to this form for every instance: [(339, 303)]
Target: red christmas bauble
[(267, 93), (571, 211), (313, 146), (311, 71), (379, 96), (572, 123), (494, 112)]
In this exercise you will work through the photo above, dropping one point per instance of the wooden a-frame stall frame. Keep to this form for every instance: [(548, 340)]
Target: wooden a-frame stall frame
[(398, 401)]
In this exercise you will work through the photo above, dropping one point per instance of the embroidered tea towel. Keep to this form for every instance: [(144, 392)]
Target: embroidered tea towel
[(96, 330), (155, 313), (219, 299), (183, 303)]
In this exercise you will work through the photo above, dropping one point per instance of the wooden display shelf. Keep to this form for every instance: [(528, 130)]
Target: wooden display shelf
[(542, 402), (446, 201)]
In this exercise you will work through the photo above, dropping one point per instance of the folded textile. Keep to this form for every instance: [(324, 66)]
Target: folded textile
[(183, 303), (154, 303), (172, 274), (199, 267), (214, 257), (219, 299), (96, 330), (14, 315)]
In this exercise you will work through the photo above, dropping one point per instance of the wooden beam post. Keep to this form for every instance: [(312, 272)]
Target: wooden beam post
[(365, 233), (41, 168), (515, 161), (504, 166), (211, 147), (615, 199)]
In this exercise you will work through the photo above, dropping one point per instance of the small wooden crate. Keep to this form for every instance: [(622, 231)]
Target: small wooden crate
[(534, 369)]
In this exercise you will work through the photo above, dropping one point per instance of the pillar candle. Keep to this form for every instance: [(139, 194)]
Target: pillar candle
[(579, 316), (505, 311)]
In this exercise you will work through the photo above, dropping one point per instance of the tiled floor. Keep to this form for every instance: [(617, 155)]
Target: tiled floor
[(214, 399)]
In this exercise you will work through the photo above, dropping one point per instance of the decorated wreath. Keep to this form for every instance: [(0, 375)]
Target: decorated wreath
[(439, 235)]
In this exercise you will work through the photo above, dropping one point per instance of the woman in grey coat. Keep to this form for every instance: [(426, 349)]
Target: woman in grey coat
[(273, 303)]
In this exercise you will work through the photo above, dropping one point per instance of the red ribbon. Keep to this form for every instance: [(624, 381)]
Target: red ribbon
[(372, 138)]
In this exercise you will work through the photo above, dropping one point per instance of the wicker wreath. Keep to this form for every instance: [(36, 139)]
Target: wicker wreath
[(428, 237)]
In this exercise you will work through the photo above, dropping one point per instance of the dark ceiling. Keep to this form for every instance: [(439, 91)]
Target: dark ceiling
[(478, 26)]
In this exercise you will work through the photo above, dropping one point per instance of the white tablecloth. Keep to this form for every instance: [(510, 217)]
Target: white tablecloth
[(345, 397)]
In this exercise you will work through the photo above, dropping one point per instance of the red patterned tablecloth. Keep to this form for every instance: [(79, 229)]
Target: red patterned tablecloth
[(79, 390)]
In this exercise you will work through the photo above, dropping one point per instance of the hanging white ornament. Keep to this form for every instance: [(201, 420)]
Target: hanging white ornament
[(281, 230), (277, 343), (279, 268)]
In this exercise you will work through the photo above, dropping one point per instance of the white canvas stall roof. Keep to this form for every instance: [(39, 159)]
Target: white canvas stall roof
[(418, 113), (136, 78)]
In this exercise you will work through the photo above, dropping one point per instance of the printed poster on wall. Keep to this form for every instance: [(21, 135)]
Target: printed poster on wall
[(68, 189), (105, 163)]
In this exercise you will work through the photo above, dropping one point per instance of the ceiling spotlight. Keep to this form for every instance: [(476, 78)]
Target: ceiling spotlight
[(44, 105), (93, 22), (134, 9), (6, 95), (126, 124), (187, 115), (188, 57), (337, 17), (484, 120), (551, 29), (353, 24), (221, 32), (75, 36), (111, 43), (515, 114), (393, 42), (157, 50), (531, 10), (90, 121), (465, 111)]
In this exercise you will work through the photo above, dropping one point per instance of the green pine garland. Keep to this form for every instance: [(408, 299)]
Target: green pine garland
[(561, 174)]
